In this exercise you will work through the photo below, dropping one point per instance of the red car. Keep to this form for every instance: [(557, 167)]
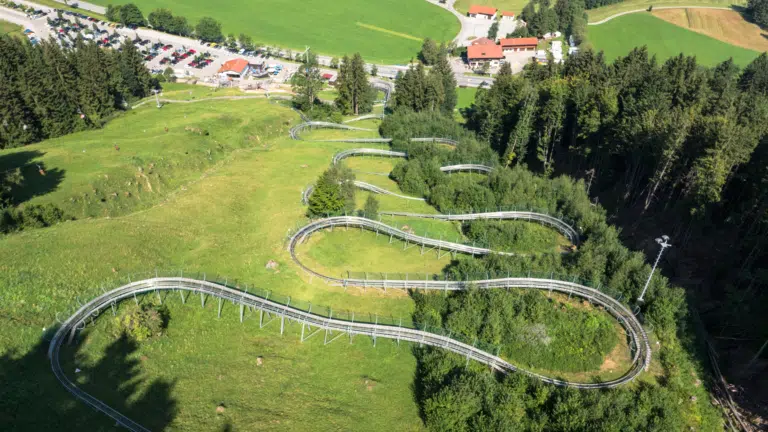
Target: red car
[(191, 52)]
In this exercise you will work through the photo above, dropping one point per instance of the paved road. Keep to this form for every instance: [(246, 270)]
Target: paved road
[(85, 5), (605, 20)]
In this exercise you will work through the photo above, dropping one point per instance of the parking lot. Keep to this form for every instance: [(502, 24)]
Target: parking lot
[(188, 58)]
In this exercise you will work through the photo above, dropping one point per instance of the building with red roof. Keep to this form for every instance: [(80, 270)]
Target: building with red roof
[(477, 55), (485, 12), (507, 16), (235, 68), (519, 44), (482, 41)]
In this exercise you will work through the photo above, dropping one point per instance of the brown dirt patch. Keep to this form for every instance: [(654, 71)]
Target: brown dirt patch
[(725, 25)]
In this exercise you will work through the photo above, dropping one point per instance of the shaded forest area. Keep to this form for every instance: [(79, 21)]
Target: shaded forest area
[(666, 148)]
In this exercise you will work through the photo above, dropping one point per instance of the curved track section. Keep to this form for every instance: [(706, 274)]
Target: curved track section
[(93, 308), (565, 229), (467, 167), (375, 189), (299, 128), (366, 117), (641, 350), (338, 157)]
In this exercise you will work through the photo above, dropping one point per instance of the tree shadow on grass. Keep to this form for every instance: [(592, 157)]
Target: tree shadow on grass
[(32, 399), (37, 178)]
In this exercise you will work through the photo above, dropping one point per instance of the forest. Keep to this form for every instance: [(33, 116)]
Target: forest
[(627, 151), (49, 91)]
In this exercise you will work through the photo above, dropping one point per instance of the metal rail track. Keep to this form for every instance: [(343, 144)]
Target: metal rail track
[(634, 329), (94, 307), (299, 128), (564, 228)]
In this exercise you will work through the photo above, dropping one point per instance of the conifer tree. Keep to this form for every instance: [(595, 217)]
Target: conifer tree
[(307, 83), (136, 79), (355, 93), (443, 69)]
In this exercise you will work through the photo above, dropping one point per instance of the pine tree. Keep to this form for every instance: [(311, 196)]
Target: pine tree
[(355, 93), (517, 145), (371, 209), (94, 95), (137, 81), (307, 83), (443, 69)]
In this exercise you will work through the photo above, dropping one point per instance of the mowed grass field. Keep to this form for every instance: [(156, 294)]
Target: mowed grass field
[(10, 28), (620, 35), (724, 25), (515, 6), (388, 31), (601, 13)]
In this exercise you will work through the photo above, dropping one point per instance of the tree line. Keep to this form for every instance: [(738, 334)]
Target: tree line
[(541, 17), (207, 29), (667, 147), (355, 94), (49, 91)]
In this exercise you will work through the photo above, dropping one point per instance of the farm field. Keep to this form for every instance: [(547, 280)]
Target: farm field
[(601, 13), (618, 36), (223, 204), (727, 26), (515, 6), (381, 31)]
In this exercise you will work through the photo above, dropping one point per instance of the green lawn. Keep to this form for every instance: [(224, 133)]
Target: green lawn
[(629, 5), (618, 36), (209, 362), (10, 28), (188, 92), (380, 31), (466, 96)]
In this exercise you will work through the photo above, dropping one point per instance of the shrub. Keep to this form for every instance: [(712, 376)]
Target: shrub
[(141, 322)]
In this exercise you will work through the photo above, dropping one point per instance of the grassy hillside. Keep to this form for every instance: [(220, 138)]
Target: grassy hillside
[(380, 31), (618, 36), (221, 204)]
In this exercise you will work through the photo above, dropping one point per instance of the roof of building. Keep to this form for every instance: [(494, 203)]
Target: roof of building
[(507, 13), (483, 41), (517, 42), (484, 52), (234, 65), (484, 10), (327, 76)]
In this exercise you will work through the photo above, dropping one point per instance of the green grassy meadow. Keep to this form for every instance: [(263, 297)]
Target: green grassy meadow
[(221, 204), (380, 31), (618, 36), (10, 28)]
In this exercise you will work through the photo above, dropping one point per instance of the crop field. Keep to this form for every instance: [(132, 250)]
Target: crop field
[(386, 32), (221, 204), (630, 5), (727, 26), (618, 36)]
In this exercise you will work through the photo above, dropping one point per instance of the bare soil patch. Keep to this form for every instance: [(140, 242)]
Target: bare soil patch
[(725, 25)]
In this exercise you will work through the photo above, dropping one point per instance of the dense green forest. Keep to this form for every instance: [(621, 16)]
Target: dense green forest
[(671, 148), (49, 91)]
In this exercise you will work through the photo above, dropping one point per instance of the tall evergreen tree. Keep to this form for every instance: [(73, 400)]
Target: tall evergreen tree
[(307, 82), (443, 69), (137, 80), (355, 93)]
